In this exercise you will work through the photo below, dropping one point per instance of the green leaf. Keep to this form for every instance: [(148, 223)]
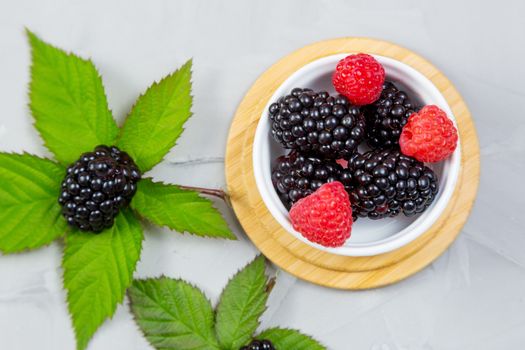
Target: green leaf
[(98, 268), (173, 314), (68, 102), (156, 121), (290, 339), (179, 209), (30, 215), (242, 303)]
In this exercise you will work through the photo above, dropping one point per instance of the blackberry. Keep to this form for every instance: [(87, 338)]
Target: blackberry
[(96, 187), (386, 117), (388, 183), (295, 176), (317, 123), (259, 345)]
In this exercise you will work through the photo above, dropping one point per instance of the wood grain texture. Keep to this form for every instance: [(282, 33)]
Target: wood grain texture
[(320, 267)]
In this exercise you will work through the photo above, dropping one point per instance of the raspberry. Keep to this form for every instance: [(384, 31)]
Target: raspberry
[(429, 135), (325, 216), (360, 78), (96, 187)]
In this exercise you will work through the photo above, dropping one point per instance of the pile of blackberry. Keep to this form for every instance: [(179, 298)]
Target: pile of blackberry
[(96, 187), (259, 345), (320, 130), (389, 183), (295, 176), (386, 117), (317, 123)]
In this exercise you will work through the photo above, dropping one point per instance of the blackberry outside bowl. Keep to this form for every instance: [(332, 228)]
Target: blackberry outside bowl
[(369, 237)]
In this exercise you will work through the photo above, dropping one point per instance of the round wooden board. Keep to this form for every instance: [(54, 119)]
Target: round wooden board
[(314, 265)]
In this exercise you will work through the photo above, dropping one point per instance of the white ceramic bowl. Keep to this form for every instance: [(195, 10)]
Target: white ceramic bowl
[(369, 237)]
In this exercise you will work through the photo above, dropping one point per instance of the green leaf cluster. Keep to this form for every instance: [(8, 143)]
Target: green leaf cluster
[(71, 113), (173, 314)]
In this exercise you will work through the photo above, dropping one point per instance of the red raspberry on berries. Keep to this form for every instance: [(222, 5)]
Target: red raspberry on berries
[(325, 216), (429, 135), (360, 78)]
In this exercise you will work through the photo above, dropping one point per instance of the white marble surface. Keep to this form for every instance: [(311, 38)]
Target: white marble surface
[(472, 298)]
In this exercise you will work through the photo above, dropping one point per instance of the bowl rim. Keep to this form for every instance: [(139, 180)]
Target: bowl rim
[(394, 241)]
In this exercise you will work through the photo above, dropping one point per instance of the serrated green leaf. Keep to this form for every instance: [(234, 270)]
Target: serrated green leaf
[(98, 268), (156, 121), (241, 304), (30, 215), (173, 314), (179, 209), (68, 102), (290, 339)]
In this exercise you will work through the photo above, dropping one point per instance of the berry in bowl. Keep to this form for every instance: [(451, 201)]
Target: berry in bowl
[(357, 155)]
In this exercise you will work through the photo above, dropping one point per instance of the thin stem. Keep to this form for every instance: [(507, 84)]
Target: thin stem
[(210, 192), (270, 285)]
